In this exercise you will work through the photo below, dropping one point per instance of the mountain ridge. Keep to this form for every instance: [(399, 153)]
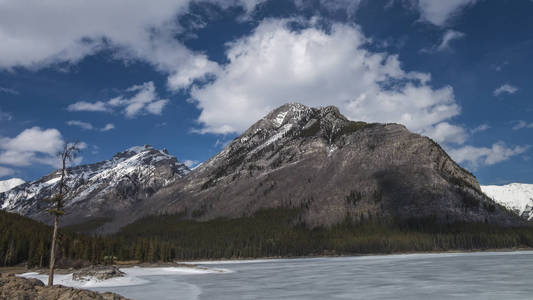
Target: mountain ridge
[(99, 189), (314, 160), (364, 171), (517, 197)]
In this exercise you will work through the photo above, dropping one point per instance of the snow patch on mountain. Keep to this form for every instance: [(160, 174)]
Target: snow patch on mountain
[(6, 185), (517, 197)]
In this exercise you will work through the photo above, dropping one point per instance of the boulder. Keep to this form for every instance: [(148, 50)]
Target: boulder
[(98, 273)]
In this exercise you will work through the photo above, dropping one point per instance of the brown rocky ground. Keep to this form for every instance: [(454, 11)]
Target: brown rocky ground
[(18, 288)]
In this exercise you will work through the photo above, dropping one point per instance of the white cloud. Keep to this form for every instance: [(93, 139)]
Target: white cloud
[(275, 65), (477, 156), (56, 32), (87, 106), (5, 171), (89, 126), (81, 124), (448, 37), (444, 45), (505, 89), (8, 91), (445, 132), (34, 139), (142, 99), (480, 128), (438, 12), (107, 127), (33, 145), (522, 124)]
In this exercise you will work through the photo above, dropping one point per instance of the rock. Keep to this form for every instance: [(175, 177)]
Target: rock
[(18, 288), (98, 273)]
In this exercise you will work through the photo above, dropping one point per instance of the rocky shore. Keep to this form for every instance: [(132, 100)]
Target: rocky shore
[(18, 288)]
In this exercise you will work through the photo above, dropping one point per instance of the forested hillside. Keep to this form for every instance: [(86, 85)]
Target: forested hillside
[(269, 233)]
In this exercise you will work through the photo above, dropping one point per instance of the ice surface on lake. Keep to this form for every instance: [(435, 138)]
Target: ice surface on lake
[(133, 276), (488, 275)]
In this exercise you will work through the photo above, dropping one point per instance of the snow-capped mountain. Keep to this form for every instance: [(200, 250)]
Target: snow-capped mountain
[(517, 197), (6, 185), (314, 160), (331, 169), (101, 189)]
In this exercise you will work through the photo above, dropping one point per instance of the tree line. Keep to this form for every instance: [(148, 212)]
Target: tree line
[(268, 233)]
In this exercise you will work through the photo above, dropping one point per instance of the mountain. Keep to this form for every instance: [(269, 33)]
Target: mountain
[(101, 190), (331, 169), (6, 185), (517, 197), (312, 160)]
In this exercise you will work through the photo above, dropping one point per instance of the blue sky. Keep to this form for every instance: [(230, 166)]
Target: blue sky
[(191, 75)]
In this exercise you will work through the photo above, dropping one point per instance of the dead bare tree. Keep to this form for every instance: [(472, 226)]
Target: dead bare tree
[(67, 155)]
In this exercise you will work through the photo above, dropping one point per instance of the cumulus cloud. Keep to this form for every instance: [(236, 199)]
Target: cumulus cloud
[(275, 65), (438, 12), (479, 156), (445, 132), (57, 32), (33, 145), (522, 124), (505, 89), (140, 99)]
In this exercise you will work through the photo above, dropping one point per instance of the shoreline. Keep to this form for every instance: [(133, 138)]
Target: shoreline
[(193, 263)]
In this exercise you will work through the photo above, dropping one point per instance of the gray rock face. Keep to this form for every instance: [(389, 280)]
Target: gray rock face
[(331, 168), (100, 190)]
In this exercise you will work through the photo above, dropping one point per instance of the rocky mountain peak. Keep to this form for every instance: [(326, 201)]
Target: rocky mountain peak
[(331, 168), (99, 189)]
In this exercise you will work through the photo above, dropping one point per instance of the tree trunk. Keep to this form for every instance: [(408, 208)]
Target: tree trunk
[(53, 253)]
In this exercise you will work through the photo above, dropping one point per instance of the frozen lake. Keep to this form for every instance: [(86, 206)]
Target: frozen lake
[(489, 275)]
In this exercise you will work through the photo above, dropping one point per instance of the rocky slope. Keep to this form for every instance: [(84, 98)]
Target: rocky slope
[(517, 197), (6, 185), (331, 168), (99, 190)]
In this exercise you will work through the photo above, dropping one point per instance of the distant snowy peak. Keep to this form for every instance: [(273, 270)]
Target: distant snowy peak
[(129, 175), (515, 196), (6, 185)]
